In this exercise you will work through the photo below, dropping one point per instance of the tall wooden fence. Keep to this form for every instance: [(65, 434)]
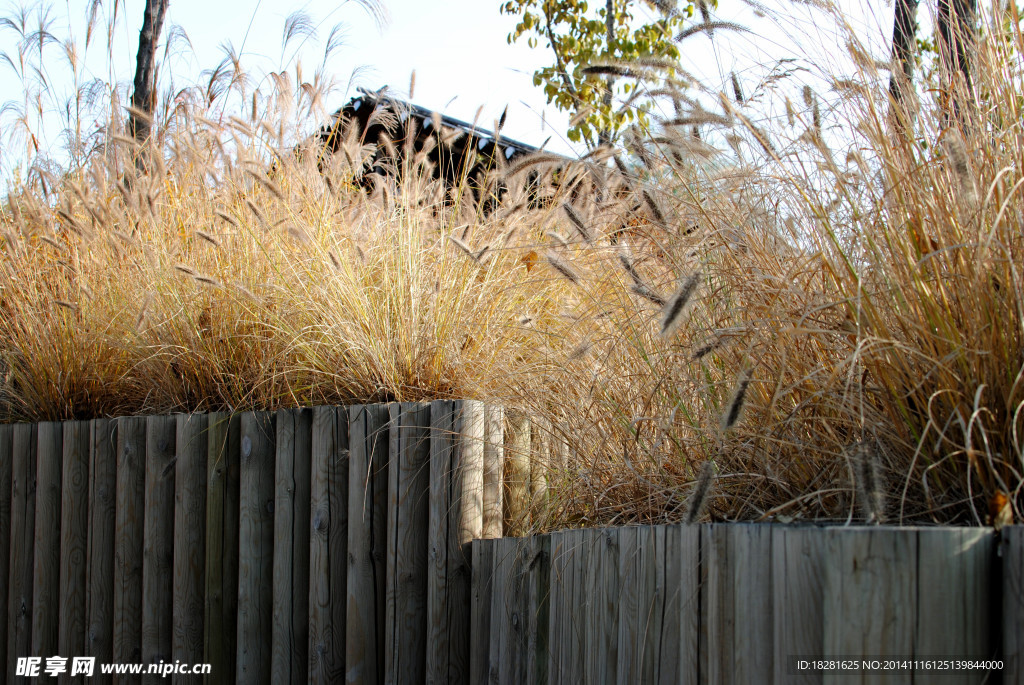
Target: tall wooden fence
[(733, 603), (310, 545)]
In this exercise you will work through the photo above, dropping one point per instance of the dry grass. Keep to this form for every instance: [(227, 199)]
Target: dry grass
[(798, 335)]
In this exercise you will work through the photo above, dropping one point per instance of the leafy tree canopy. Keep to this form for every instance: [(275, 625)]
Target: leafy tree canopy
[(601, 57)]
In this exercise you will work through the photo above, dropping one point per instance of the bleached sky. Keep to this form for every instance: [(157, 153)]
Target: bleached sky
[(457, 48)]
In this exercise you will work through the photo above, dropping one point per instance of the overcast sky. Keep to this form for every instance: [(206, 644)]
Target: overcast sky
[(457, 48)]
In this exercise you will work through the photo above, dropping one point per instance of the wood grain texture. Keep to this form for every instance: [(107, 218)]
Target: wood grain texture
[(369, 444), (128, 542), (629, 587), (6, 470), (189, 541), (255, 547), (442, 431), (955, 597), (671, 582), (73, 540), (870, 598), (507, 648), (23, 517), (221, 593), (798, 574), (158, 543), (480, 622), (408, 520), (290, 658), (690, 581), (1012, 559), (602, 637), (493, 468), (517, 473), (328, 545), (536, 608), (46, 583), (102, 523)]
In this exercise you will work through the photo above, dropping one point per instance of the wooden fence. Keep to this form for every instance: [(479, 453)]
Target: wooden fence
[(735, 603), (350, 544), (309, 545)]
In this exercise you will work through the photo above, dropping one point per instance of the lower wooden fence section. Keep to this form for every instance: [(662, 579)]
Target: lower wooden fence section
[(735, 603), (350, 544)]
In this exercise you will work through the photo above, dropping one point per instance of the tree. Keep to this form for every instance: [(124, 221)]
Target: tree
[(955, 29), (904, 40), (144, 94), (599, 55)]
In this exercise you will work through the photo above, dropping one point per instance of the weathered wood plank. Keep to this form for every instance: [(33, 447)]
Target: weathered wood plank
[(23, 518), (256, 547), (102, 522), (870, 598), (465, 521), (1012, 558), (670, 584), (290, 659), (369, 443), (221, 593), (507, 652), (739, 603), (128, 541), (6, 467), (493, 467), (480, 623), (540, 470), (46, 581), (629, 659), (651, 576), (517, 473), (798, 573), (602, 637), (158, 543), (408, 517), (536, 566), (689, 608), (73, 540), (442, 429), (189, 541), (954, 596), (557, 619), (328, 545)]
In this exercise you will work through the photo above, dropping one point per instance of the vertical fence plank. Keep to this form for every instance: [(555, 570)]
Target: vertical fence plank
[(189, 545), (74, 535), (158, 543), (870, 598), (408, 518), (670, 581), (798, 573), (493, 467), (328, 545), (602, 640), (628, 665), (540, 468), (480, 624), (369, 443), (255, 547), (517, 473), (102, 521), (536, 567), (651, 573), (1012, 548), (507, 652), (442, 428), (128, 542), (6, 466), (46, 581), (689, 644), (222, 516), (557, 616), (954, 590), (290, 659), (23, 520)]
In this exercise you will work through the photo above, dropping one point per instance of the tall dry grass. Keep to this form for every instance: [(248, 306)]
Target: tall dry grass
[(778, 329)]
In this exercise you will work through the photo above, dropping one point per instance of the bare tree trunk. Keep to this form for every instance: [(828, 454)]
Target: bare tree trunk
[(956, 51), (904, 42), (604, 137), (144, 95)]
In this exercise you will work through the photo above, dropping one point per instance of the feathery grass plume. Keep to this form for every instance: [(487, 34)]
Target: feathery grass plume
[(699, 497), (868, 477), (644, 291), (207, 237), (578, 222), (672, 314), (705, 350), (225, 217), (257, 213), (531, 160), (562, 267), (558, 238), (206, 280), (464, 248), (710, 27), (659, 216), (737, 91), (735, 407), (262, 179)]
